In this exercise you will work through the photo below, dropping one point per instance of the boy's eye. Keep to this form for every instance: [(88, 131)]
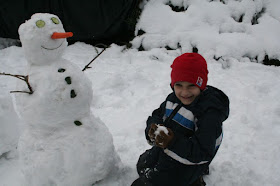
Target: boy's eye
[(178, 85)]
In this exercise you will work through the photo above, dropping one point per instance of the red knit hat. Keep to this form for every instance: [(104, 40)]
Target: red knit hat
[(190, 67)]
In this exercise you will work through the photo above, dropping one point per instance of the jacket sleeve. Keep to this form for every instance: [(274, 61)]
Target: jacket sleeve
[(157, 117), (201, 147)]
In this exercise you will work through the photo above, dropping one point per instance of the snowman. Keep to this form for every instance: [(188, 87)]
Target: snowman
[(62, 142)]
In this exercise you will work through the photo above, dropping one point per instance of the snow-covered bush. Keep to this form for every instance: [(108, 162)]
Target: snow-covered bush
[(6, 42), (243, 29)]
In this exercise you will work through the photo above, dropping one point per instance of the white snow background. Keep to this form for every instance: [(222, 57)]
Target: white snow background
[(129, 84)]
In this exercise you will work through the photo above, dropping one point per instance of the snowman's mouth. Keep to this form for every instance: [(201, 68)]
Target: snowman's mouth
[(52, 48)]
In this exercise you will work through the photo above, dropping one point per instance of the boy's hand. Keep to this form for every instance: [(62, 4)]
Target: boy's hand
[(152, 131), (163, 137)]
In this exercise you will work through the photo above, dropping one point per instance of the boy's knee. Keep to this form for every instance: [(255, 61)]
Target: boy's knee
[(147, 160), (142, 181)]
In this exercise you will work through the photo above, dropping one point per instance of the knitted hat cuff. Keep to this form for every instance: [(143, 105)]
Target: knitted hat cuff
[(198, 80)]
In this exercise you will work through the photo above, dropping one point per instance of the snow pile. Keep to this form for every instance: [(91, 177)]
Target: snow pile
[(244, 29), (9, 121)]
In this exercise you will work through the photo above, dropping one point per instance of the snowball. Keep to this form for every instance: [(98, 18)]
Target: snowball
[(161, 128)]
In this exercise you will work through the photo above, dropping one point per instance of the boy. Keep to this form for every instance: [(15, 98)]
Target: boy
[(186, 130)]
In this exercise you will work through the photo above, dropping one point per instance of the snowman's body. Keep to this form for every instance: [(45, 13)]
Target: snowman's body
[(9, 130), (69, 157), (62, 143), (62, 93)]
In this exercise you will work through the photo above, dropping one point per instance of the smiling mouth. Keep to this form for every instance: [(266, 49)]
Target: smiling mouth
[(186, 97), (52, 48)]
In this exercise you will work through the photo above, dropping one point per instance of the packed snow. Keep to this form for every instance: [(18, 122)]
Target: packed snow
[(60, 136), (243, 29), (9, 133), (161, 128), (127, 85)]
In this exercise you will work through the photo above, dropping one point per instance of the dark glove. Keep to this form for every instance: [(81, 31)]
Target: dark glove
[(151, 133), (163, 140)]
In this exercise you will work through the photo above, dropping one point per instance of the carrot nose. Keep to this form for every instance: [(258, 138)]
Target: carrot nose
[(58, 35)]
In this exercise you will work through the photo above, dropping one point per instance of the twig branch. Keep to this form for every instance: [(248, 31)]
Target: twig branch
[(23, 78), (104, 48)]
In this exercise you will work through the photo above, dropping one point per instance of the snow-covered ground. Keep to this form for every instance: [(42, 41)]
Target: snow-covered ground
[(129, 84)]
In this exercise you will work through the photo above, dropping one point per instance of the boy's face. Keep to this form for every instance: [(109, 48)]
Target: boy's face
[(186, 92)]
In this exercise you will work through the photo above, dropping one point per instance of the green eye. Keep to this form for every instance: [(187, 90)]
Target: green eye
[(40, 23), (55, 20)]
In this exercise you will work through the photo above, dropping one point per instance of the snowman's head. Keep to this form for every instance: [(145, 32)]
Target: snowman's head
[(43, 38)]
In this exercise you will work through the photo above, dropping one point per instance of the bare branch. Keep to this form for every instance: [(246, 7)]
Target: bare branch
[(23, 78), (21, 92), (104, 48)]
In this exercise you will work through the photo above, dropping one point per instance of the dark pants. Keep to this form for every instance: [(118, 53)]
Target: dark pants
[(155, 168)]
